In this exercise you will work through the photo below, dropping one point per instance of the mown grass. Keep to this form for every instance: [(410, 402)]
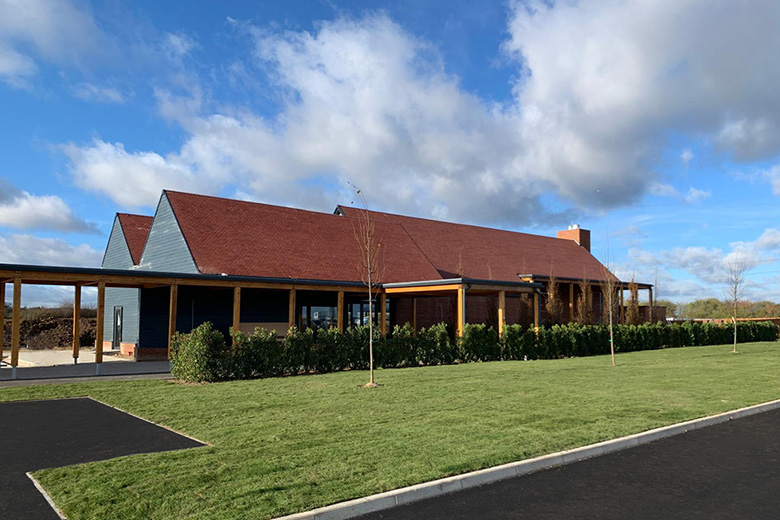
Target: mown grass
[(287, 445)]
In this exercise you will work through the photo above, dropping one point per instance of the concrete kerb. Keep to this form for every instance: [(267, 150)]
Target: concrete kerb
[(406, 495)]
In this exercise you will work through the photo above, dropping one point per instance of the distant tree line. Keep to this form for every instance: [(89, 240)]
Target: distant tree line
[(715, 308)]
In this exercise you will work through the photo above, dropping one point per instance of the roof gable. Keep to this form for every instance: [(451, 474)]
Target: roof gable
[(136, 230), (117, 254)]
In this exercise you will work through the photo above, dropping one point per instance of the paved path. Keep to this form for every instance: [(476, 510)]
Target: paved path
[(85, 370), (52, 357), (730, 470), (46, 434)]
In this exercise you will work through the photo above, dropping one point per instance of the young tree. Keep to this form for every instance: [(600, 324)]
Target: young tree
[(735, 290), (584, 314), (369, 266), (553, 305), (632, 309), (609, 290)]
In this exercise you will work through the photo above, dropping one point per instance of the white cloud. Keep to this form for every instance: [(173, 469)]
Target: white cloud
[(176, 46), (661, 189), (706, 269), (362, 101), (52, 30), (22, 210), (95, 93), (606, 82), (130, 179), (15, 68), (27, 249), (686, 157), (600, 88), (696, 195)]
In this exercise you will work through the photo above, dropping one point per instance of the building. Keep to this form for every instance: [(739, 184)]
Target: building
[(245, 265)]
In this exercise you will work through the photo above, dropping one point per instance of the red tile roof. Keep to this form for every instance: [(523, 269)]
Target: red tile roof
[(459, 250), (252, 239), (136, 230)]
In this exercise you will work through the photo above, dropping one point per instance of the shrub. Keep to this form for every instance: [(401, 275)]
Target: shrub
[(256, 355), (298, 351), (400, 350), (200, 356), (203, 354), (329, 353), (434, 346), (479, 343)]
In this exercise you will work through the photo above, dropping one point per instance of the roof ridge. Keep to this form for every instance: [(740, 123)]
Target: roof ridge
[(426, 219), (249, 202)]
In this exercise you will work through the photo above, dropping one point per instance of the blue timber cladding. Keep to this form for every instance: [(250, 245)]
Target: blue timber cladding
[(117, 256), (166, 249), (195, 305)]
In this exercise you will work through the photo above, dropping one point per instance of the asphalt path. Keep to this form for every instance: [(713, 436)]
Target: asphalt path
[(729, 470), (54, 433)]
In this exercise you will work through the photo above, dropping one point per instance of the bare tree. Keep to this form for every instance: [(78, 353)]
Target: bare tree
[(632, 309), (735, 290), (554, 305), (370, 268), (609, 290), (585, 304)]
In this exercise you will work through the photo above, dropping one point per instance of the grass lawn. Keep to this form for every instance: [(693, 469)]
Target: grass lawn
[(287, 445)]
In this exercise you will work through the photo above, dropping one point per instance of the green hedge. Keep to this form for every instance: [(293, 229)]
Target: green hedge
[(204, 355)]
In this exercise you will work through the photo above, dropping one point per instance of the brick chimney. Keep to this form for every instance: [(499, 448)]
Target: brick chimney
[(579, 235)]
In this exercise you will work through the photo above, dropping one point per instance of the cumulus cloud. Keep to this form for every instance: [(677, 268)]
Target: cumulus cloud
[(22, 210), (600, 87), (606, 82), (362, 101), (130, 179), (28, 249), (52, 30), (705, 270)]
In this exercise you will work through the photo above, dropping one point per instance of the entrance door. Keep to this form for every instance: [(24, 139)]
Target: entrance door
[(117, 328)]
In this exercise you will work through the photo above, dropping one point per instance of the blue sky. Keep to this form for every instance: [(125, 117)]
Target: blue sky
[(656, 125)]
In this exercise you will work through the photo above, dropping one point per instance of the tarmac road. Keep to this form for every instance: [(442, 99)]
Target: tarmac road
[(61, 432), (730, 470)]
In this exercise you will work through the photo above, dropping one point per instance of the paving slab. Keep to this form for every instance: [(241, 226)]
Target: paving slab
[(62, 432)]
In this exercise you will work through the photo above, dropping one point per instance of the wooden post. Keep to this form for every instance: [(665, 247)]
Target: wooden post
[(291, 310), (15, 321), (650, 295), (76, 323), (621, 313), (101, 318), (236, 310), (461, 310), (571, 302), (536, 310), (172, 306), (501, 312), (2, 319), (414, 316), (340, 312), (383, 313)]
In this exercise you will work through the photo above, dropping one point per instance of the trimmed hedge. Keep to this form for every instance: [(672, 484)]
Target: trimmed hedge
[(204, 355)]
